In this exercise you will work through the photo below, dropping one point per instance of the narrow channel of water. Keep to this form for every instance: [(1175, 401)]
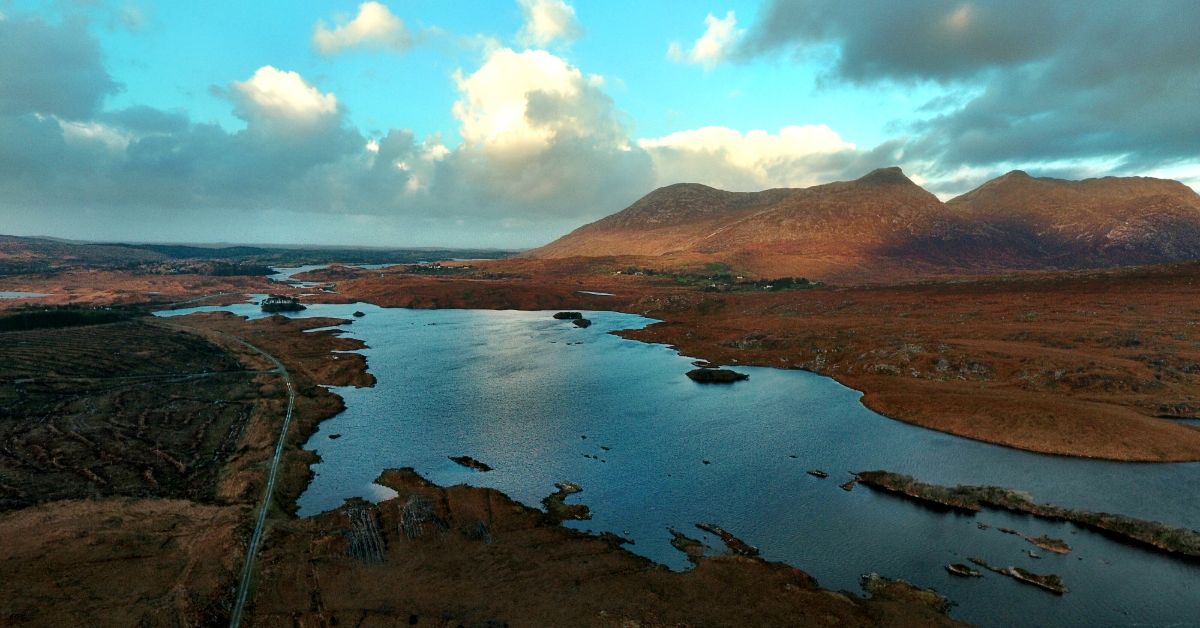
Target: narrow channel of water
[(541, 401)]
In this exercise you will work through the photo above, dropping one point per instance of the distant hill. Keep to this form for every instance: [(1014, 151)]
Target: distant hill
[(281, 256), (883, 223), (24, 254), (1113, 220), (18, 253)]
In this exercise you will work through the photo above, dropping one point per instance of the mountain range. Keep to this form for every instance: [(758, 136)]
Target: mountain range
[(884, 223)]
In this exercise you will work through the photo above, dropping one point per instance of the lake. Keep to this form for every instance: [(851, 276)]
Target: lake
[(542, 401)]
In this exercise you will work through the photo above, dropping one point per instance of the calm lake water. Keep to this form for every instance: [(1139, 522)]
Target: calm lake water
[(532, 396), (21, 295), (284, 275)]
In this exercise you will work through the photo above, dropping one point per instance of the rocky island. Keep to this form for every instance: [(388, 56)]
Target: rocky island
[(716, 376)]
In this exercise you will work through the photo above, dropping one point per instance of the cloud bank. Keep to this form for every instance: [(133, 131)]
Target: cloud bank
[(1106, 80), (539, 145), (543, 147), (795, 156)]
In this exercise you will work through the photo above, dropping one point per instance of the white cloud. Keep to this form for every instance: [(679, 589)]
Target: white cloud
[(713, 46), (275, 93), (374, 27), (540, 135), (727, 158), (494, 103), (546, 21)]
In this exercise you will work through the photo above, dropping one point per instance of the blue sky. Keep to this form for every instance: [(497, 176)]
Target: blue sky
[(415, 89), (174, 121)]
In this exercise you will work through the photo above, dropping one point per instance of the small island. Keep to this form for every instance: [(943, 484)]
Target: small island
[(471, 463), (281, 303), (716, 376)]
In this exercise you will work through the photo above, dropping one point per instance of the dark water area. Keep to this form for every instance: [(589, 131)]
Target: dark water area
[(541, 401)]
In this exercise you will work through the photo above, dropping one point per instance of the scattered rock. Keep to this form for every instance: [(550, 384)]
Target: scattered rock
[(1050, 544), (569, 316), (1179, 541), (557, 510), (752, 341), (471, 463), (735, 545), (881, 588), (359, 314), (848, 485), (960, 569), (716, 376), (582, 322), (334, 436), (686, 544), (1048, 582), (615, 540)]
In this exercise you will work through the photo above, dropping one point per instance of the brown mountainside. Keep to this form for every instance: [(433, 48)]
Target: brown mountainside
[(1113, 220), (883, 222)]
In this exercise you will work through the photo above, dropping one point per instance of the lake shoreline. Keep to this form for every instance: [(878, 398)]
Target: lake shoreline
[(748, 580), (378, 317), (886, 341)]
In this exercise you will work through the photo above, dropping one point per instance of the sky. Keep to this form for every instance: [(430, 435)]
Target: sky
[(508, 123)]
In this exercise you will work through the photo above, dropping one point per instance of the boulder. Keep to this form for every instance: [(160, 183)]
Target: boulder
[(471, 463)]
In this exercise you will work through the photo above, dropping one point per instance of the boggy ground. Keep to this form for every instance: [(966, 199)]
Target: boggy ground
[(82, 286), (464, 556), (162, 548), (1082, 363), (116, 409)]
